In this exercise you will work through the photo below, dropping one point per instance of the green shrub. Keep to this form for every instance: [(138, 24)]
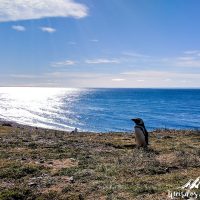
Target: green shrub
[(15, 194), (17, 171)]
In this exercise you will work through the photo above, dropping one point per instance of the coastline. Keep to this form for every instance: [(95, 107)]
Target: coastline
[(50, 164)]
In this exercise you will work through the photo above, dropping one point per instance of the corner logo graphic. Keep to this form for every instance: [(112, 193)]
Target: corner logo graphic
[(185, 190), (192, 184)]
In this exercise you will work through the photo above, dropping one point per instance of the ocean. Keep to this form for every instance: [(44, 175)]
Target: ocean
[(100, 110)]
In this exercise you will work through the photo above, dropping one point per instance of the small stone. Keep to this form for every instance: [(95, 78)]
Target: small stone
[(88, 156), (167, 169), (32, 184), (71, 179), (80, 196), (73, 159)]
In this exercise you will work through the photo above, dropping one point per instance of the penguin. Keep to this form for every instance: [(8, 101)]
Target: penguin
[(141, 134), (75, 131)]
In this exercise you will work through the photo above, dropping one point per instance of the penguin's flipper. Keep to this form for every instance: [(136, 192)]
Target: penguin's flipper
[(146, 135)]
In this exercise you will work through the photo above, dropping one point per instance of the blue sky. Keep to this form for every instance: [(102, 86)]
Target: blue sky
[(100, 43)]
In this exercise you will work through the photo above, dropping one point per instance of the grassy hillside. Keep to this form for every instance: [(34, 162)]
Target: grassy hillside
[(46, 164)]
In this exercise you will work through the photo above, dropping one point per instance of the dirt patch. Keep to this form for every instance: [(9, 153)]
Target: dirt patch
[(56, 165), (60, 183), (168, 158), (163, 196), (20, 150), (5, 163)]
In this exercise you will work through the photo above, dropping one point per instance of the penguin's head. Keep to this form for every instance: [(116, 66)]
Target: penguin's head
[(138, 121)]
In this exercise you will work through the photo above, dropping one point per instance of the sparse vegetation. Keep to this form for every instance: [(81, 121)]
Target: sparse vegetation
[(44, 164)]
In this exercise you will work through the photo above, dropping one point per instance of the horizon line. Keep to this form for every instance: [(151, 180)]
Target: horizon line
[(101, 87)]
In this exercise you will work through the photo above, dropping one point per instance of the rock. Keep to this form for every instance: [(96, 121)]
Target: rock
[(87, 156), (169, 169), (164, 136), (167, 136), (80, 196), (73, 159), (32, 184), (71, 179)]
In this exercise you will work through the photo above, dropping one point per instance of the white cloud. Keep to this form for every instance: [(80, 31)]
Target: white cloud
[(72, 43), (190, 60), (14, 10), (103, 61), (162, 75), (191, 52), (187, 63), (167, 79), (18, 28), (94, 40), (130, 73), (136, 55), (74, 75), (157, 72), (25, 76), (137, 79), (118, 79), (185, 58), (63, 63), (48, 29)]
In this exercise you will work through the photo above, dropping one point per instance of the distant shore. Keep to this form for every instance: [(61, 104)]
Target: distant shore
[(50, 164)]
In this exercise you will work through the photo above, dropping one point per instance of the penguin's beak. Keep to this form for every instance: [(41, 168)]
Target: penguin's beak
[(134, 120)]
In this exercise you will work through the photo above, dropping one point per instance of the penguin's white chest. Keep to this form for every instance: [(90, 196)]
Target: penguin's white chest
[(140, 138)]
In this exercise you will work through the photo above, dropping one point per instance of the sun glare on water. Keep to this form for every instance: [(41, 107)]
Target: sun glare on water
[(37, 106)]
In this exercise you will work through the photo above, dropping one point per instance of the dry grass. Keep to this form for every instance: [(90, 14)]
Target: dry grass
[(46, 164)]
